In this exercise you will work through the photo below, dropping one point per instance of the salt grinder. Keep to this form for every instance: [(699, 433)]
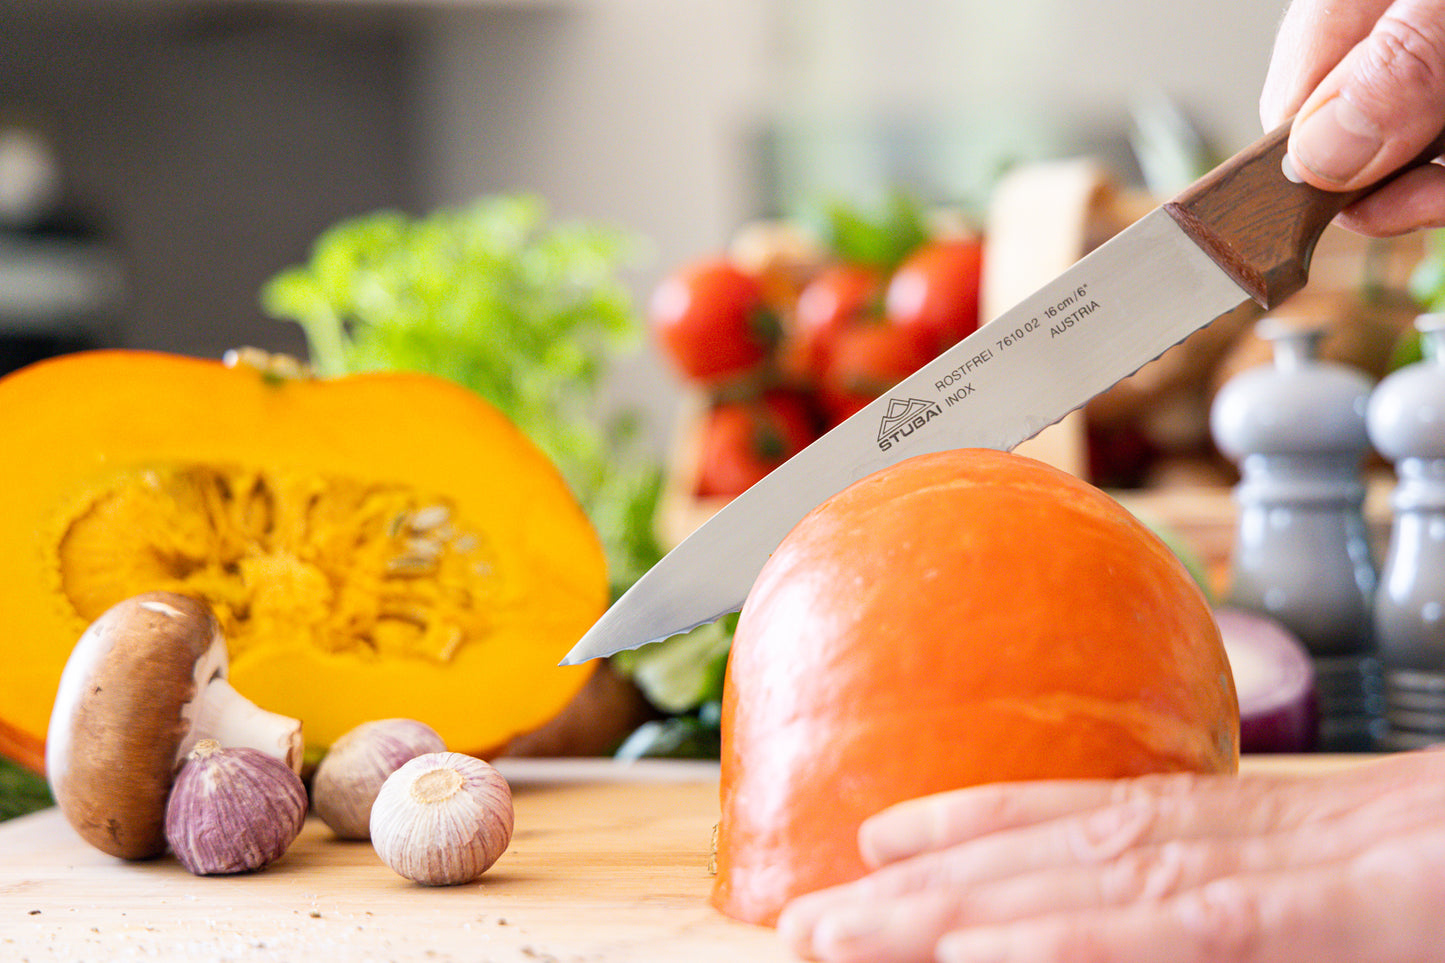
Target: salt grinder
[(1407, 426), (1296, 428)]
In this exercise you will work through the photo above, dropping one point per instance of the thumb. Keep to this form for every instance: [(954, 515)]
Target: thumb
[(1380, 106)]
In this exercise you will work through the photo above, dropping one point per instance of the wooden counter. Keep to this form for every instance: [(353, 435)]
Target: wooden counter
[(608, 863)]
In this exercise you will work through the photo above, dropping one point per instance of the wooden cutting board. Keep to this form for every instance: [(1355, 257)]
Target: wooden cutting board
[(609, 862)]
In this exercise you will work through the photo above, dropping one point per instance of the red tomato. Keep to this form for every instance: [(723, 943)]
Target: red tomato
[(840, 296), (867, 359), (744, 440), (935, 292), (710, 319)]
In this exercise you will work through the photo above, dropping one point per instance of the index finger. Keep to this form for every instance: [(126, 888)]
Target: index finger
[(1380, 907), (945, 819), (1313, 36)]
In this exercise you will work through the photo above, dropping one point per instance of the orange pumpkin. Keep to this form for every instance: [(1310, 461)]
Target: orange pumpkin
[(375, 545), (959, 618)]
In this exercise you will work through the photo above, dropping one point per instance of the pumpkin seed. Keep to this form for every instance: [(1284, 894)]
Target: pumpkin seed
[(411, 565), (429, 518), (455, 637)]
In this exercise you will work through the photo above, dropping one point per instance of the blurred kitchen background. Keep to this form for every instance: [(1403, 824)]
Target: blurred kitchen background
[(160, 159)]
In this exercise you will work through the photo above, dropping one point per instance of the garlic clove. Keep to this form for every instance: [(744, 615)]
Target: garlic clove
[(353, 770), (442, 819), (233, 810)]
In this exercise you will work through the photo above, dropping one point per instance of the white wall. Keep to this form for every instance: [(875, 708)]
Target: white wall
[(209, 145), (1026, 76), (1015, 57), (645, 110), (632, 112), (219, 138)]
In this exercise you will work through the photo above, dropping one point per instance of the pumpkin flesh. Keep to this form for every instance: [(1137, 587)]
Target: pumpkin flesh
[(959, 618), (376, 545)]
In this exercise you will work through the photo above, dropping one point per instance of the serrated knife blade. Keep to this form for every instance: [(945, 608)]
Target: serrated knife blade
[(1242, 232)]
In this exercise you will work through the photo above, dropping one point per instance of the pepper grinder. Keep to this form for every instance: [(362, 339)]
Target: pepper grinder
[(1296, 429), (1407, 426)]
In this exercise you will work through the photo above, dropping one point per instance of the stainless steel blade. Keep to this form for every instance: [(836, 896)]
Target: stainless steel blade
[(1118, 308)]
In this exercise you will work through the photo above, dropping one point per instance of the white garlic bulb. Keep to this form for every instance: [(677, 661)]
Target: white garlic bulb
[(354, 768), (442, 818)]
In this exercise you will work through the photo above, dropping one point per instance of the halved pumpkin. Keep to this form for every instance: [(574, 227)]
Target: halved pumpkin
[(376, 545)]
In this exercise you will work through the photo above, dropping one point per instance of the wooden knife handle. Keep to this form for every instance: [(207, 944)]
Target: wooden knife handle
[(1258, 225)]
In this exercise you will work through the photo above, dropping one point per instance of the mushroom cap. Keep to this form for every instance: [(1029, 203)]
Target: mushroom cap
[(121, 718)]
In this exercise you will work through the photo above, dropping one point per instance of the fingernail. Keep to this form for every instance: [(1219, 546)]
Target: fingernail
[(1291, 173), (895, 835), (1336, 141), (796, 925), (848, 928), (974, 946)]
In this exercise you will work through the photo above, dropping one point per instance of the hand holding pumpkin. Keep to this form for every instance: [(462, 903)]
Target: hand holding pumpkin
[(1341, 867), (904, 639)]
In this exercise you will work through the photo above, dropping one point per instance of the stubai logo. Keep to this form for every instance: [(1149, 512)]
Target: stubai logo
[(903, 417)]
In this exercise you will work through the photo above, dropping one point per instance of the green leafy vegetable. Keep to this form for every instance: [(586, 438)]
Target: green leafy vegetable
[(679, 674), (1171, 151), (1427, 282), (880, 238), (496, 297), (694, 736), (1427, 287), (21, 791)]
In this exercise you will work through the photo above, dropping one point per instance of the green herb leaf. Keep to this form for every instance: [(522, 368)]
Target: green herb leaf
[(21, 791), (681, 673), (879, 239), (1427, 282), (680, 737)]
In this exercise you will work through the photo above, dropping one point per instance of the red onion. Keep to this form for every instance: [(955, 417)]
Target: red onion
[(1275, 679)]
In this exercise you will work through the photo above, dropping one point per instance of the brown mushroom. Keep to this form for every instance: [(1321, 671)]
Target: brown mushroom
[(146, 681)]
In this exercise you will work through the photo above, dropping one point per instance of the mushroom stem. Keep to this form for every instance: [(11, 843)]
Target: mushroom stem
[(223, 714)]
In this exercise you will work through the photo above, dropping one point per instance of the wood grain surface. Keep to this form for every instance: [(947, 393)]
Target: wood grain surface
[(609, 862)]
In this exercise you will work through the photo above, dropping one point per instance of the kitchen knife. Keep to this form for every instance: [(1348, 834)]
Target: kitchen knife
[(1244, 231)]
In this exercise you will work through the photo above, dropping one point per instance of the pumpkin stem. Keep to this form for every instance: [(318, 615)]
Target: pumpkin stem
[(273, 366)]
